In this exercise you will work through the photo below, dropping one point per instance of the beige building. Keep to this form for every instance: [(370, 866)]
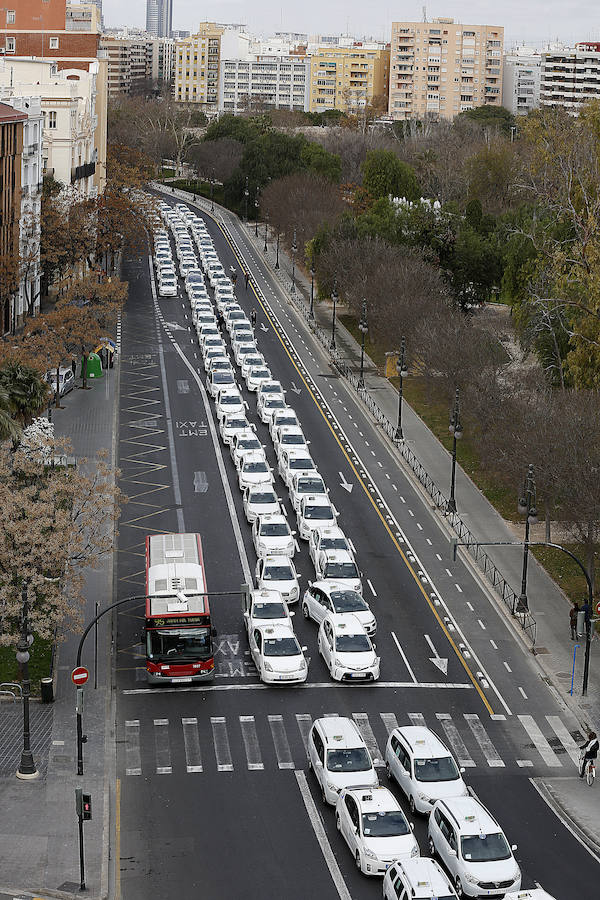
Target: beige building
[(347, 78), (570, 77), (129, 65), (442, 68), (197, 65)]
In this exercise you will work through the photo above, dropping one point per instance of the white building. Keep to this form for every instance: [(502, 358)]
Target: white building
[(28, 299), (521, 80), (570, 77), (68, 104), (276, 82)]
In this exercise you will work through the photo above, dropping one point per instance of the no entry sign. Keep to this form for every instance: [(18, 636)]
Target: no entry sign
[(80, 675), (598, 608)]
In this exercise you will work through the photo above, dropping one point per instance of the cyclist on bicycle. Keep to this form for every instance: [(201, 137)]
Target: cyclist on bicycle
[(589, 750)]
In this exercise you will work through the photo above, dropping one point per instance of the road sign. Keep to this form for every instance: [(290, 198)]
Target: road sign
[(80, 675), (598, 607)]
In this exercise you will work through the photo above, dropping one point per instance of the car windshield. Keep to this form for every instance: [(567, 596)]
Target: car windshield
[(441, 769), (352, 643), (385, 824), (311, 486), (286, 420), (349, 760), (172, 644), (272, 610), (274, 404), (485, 847), (231, 400), (258, 466), (348, 601), (221, 365), (331, 543), (248, 444), (263, 497), (341, 570), (259, 373), (293, 439), (274, 529), (302, 463), (223, 378), (320, 513), (271, 387), (278, 573), (236, 423), (281, 647)]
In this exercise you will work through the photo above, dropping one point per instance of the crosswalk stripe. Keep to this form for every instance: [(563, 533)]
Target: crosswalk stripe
[(483, 739), (390, 721), (304, 725), (364, 726), (417, 719), (565, 738), (133, 762), (221, 744), (251, 744), (282, 747), (330, 715), (161, 743), (191, 740), (456, 742), (541, 744)]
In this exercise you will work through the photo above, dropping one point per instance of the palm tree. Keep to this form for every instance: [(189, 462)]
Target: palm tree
[(8, 427), (25, 389)]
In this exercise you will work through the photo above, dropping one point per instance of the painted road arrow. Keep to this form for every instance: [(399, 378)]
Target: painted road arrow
[(295, 389), (200, 482), (436, 659), (174, 326), (263, 327), (346, 484)]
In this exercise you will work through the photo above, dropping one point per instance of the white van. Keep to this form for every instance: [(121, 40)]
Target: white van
[(423, 767), (339, 757), (417, 879)]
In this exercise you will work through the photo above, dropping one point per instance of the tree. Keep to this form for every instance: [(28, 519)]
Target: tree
[(385, 175), (216, 160), (25, 390), (494, 117), (319, 161), (56, 521), (301, 201)]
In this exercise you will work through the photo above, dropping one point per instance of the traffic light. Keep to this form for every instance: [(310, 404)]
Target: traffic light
[(87, 807)]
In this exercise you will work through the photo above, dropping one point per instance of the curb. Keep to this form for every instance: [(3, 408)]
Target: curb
[(582, 834)]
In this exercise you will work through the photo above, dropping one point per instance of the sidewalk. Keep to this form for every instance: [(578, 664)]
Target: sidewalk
[(39, 850)]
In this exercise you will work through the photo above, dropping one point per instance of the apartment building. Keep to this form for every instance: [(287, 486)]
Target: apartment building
[(521, 75), (159, 17), (570, 77), (39, 28), (442, 68), (129, 65), (348, 78), (162, 60), (264, 82), (68, 106), (11, 149), (197, 65)]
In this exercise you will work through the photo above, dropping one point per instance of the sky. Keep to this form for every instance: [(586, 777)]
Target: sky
[(534, 23)]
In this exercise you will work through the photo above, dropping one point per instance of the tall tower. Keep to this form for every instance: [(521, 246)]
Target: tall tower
[(159, 17)]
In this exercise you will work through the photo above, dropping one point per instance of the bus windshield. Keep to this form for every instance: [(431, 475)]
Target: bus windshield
[(171, 644)]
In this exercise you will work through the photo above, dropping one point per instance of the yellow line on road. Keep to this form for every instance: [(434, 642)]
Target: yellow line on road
[(440, 621)]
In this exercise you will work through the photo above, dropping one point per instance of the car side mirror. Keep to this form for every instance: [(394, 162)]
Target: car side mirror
[(462, 770), (292, 613), (513, 847), (451, 852), (412, 826), (310, 584), (304, 649)]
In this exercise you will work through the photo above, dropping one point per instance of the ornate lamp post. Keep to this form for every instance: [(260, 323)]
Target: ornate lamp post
[(402, 371), (246, 195), (294, 248), (363, 327), (212, 188), (527, 507), (311, 311), (455, 429), (256, 205), (277, 251), (265, 248), (334, 297), (27, 769)]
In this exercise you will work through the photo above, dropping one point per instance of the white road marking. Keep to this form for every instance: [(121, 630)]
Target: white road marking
[(317, 825), (565, 738), (524, 763), (420, 527), (481, 625), (282, 747), (411, 513), (541, 744), (389, 720), (523, 694), (449, 572), (132, 748), (251, 745), (458, 588), (483, 739), (162, 749), (221, 744), (191, 741), (304, 725), (417, 718), (494, 644), (455, 740), (470, 605), (364, 726), (403, 655), (373, 591), (428, 541), (506, 666), (438, 556), (321, 685)]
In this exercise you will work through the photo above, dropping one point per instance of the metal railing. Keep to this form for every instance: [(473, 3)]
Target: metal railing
[(10, 689), (484, 562)]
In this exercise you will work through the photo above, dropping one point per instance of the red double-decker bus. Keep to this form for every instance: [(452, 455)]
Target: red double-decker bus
[(178, 630)]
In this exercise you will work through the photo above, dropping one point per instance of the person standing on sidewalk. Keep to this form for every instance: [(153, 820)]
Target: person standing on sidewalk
[(74, 366), (573, 620), (589, 751)]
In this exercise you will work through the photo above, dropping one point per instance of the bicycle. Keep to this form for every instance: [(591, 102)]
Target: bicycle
[(589, 771)]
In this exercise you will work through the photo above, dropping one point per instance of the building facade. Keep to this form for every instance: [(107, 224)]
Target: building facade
[(570, 77), (39, 28), (11, 149), (521, 74), (159, 17), (68, 106), (265, 82), (442, 68), (162, 61), (129, 63), (197, 66), (348, 78)]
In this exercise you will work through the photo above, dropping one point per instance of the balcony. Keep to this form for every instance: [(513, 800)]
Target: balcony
[(83, 171)]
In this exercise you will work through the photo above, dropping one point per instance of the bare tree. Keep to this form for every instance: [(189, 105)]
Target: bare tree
[(303, 202), (216, 160)]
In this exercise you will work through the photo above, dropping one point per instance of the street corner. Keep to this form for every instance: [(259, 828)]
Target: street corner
[(576, 805)]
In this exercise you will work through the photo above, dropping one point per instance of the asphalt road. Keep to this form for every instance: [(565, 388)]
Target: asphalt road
[(215, 796)]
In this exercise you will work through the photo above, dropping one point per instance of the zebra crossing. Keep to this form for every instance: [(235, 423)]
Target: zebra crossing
[(277, 742)]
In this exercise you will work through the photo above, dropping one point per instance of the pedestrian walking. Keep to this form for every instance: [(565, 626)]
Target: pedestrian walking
[(573, 621), (220, 321), (73, 366), (247, 277), (253, 319)]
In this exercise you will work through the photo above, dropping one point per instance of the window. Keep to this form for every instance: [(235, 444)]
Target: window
[(10, 45), (54, 43), (52, 119), (10, 17)]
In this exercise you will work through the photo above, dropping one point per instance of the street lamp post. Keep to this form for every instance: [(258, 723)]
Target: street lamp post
[(256, 205), (27, 770), (334, 297), (455, 429), (277, 251), (527, 507), (246, 195), (294, 248), (311, 311), (402, 371), (212, 190), (265, 248), (363, 327)]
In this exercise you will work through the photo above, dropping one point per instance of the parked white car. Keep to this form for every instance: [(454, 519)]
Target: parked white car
[(277, 655), (260, 501), (339, 757), (267, 405), (254, 469), (331, 538), (272, 536), (229, 402), (256, 375), (216, 380), (167, 286), (305, 483), (417, 877), (292, 461), (315, 511), (264, 608), (346, 649), (231, 425), (286, 416), (243, 444), (338, 566), (278, 573), (287, 436), (324, 597)]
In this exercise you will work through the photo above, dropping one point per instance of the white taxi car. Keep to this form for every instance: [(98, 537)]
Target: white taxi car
[(423, 767), (375, 828), (272, 536), (256, 376), (242, 444), (233, 424), (277, 655), (286, 416), (420, 877), (323, 597), (253, 360), (304, 483), (327, 539), (339, 757), (315, 511), (229, 402), (278, 573), (473, 848), (287, 436), (254, 469), (267, 405), (339, 566), (261, 501), (291, 461), (217, 379), (264, 608), (167, 286), (346, 649)]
